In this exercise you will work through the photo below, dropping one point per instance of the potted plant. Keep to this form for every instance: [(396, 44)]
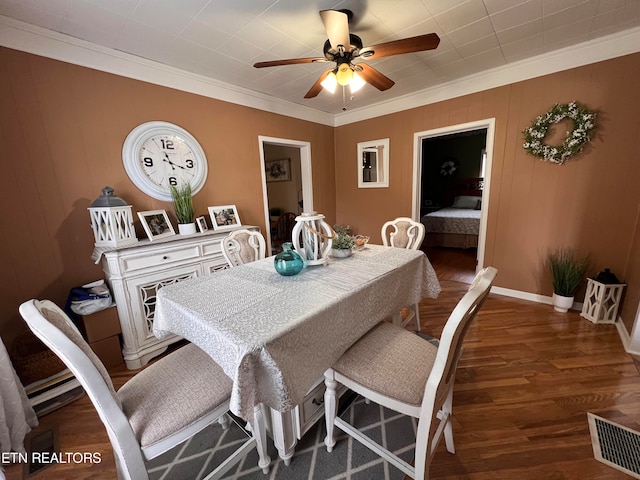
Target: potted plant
[(183, 204), (342, 243), (567, 271)]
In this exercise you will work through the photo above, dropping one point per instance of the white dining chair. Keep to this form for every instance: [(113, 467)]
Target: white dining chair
[(404, 232), (409, 374), (243, 246), (163, 405)]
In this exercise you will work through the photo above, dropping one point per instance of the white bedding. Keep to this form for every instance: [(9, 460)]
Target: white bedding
[(453, 220)]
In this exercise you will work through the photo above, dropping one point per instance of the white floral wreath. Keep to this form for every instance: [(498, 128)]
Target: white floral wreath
[(577, 138), (448, 168)]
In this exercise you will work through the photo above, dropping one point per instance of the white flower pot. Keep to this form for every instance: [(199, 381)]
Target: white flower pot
[(561, 304), (341, 252), (186, 228)]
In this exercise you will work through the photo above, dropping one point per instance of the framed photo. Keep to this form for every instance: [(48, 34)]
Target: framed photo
[(202, 224), (156, 223), (278, 170), (224, 216)]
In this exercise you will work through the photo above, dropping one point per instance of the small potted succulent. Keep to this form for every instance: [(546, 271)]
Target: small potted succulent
[(183, 205), (342, 243)]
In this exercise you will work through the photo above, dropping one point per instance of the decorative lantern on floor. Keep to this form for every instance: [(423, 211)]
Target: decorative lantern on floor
[(112, 220), (311, 238), (602, 299)]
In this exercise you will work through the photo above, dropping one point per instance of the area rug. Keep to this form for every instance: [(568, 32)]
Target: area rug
[(615, 445), (349, 460)]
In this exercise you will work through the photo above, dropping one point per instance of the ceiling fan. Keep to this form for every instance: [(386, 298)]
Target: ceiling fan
[(343, 48)]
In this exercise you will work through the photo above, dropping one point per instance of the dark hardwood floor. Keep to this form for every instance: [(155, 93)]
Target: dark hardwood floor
[(456, 264), (526, 380)]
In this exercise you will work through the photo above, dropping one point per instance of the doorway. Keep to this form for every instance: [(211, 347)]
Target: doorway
[(446, 171), (286, 184)]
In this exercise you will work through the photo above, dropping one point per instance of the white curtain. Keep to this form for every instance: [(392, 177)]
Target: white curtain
[(16, 414)]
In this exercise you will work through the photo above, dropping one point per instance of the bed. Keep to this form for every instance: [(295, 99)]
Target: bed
[(457, 225)]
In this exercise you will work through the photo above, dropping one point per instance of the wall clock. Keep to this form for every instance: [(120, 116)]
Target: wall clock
[(157, 155)]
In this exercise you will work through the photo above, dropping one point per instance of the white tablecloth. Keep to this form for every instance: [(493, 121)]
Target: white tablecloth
[(274, 335), (16, 414)]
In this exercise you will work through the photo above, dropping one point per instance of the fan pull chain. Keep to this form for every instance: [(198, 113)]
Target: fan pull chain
[(344, 99)]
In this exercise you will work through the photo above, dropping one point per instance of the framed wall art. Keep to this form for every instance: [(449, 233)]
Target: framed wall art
[(202, 224), (278, 170), (156, 224), (224, 217)]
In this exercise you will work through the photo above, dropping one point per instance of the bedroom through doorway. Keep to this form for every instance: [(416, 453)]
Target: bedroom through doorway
[(450, 190)]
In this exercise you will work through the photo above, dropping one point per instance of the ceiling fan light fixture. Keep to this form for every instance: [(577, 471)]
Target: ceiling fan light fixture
[(357, 82), (330, 83), (344, 75)]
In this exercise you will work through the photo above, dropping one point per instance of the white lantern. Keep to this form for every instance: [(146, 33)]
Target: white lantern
[(112, 221), (311, 237), (602, 299)]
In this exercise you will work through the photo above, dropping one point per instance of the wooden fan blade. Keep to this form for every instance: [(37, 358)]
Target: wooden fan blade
[(317, 87), (290, 61), (336, 25), (406, 45), (375, 78)]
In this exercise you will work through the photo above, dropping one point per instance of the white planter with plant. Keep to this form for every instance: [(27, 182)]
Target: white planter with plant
[(567, 271), (183, 205), (343, 243)]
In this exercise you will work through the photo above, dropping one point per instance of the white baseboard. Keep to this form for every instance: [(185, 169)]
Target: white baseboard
[(532, 297)]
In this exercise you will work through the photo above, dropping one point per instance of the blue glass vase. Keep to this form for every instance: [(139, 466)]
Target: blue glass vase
[(288, 262)]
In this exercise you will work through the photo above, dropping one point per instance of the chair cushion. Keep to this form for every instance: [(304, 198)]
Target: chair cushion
[(401, 238), (172, 393), (391, 361)]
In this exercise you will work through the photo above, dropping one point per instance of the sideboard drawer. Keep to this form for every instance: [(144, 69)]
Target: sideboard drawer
[(212, 248), (312, 408), (138, 262)]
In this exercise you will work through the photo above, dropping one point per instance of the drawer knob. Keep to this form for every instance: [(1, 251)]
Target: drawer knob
[(318, 402), (165, 257)]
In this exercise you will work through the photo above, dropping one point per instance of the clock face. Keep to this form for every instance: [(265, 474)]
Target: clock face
[(157, 155)]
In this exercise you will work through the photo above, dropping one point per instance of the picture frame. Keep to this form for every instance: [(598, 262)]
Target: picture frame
[(201, 222), (156, 224), (224, 217), (278, 170)]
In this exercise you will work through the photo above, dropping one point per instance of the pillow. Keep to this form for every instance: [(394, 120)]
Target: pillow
[(466, 201)]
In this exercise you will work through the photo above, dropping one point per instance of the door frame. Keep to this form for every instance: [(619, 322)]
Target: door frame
[(489, 124), (305, 173)]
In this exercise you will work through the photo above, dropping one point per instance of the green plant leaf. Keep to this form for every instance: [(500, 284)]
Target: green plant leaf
[(183, 203), (567, 271)]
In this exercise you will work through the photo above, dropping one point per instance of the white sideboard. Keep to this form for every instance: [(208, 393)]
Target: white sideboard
[(136, 272)]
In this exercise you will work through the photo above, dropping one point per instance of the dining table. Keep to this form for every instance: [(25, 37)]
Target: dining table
[(275, 335)]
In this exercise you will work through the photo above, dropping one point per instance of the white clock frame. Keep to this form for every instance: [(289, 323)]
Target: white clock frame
[(131, 150)]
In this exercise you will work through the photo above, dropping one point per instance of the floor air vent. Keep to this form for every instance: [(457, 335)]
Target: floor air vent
[(615, 445)]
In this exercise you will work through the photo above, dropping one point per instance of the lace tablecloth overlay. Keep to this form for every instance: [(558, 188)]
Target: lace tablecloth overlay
[(275, 336)]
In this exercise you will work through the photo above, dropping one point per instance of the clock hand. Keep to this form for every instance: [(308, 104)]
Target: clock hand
[(168, 160), (173, 165)]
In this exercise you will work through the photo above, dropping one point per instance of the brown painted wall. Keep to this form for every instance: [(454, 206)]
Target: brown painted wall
[(589, 203), (62, 128)]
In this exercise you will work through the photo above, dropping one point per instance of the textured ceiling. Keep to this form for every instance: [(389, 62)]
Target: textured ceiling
[(222, 39)]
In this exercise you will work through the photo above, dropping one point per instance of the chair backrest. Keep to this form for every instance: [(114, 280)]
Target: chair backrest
[(243, 246), (403, 232), (284, 227), (51, 325), (439, 387)]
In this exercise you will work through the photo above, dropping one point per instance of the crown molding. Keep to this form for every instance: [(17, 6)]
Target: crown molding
[(40, 41), (592, 51), (47, 43)]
